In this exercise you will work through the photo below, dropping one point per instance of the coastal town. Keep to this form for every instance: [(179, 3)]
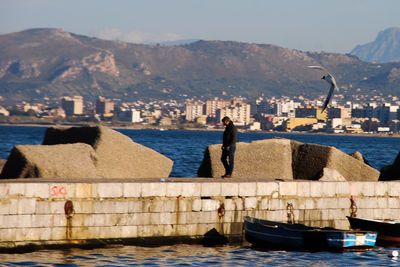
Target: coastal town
[(360, 114)]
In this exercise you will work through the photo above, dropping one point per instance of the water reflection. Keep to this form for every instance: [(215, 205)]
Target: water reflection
[(195, 255)]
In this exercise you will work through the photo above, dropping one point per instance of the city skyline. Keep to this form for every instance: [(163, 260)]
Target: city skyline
[(304, 25)]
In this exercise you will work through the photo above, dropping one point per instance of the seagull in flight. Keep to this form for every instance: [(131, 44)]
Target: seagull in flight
[(331, 80)]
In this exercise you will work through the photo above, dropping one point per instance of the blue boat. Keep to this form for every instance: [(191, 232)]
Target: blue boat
[(388, 230), (264, 233)]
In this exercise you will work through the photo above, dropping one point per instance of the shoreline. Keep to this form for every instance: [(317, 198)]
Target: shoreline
[(163, 128)]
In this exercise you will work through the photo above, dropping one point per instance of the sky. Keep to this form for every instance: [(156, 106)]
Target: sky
[(307, 25)]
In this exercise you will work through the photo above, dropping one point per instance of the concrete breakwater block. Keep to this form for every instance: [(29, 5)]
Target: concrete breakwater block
[(286, 159), (60, 161), (270, 158), (114, 155), (391, 172)]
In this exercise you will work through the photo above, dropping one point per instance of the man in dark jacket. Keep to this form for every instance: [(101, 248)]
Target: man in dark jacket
[(228, 146)]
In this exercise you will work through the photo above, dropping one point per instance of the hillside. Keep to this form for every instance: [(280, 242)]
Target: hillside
[(50, 63), (385, 48)]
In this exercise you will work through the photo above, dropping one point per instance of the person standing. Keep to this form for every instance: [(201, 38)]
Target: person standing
[(228, 146)]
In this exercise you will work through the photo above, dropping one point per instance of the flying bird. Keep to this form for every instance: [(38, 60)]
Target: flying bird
[(331, 80)]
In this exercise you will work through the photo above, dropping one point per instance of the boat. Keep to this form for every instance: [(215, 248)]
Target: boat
[(271, 234), (388, 230)]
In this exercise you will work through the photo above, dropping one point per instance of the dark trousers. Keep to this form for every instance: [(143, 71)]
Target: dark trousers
[(224, 158)]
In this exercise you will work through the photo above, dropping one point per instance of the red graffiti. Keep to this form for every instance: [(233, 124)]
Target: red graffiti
[(58, 191)]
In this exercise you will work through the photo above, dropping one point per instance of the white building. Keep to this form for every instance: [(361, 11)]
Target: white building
[(286, 108), (72, 105), (214, 104), (194, 110), (131, 115), (104, 106), (256, 126), (4, 111), (239, 114)]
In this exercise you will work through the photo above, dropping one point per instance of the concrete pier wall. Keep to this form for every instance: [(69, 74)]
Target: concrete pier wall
[(45, 212)]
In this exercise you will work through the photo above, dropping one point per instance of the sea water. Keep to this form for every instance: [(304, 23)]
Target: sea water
[(186, 149)]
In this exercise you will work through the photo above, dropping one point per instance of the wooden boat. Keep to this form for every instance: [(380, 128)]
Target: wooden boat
[(264, 233), (388, 231)]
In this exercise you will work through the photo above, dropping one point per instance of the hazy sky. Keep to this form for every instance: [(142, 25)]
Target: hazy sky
[(309, 25)]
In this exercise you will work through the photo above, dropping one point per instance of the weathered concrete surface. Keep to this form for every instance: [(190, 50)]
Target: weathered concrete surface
[(359, 156), (310, 159), (87, 152), (2, 163), (286, 159), (391, 172), (61, 161), (33, 211), (271, 158), (331, 175)]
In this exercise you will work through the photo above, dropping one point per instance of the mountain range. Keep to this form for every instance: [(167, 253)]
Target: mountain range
[(39, 63), (385, 48)]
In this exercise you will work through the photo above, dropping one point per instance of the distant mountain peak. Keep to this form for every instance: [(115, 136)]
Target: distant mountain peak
[(385, 48)]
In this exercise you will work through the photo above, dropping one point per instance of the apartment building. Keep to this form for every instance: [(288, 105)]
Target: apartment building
[(194, 110), (104, 106), (72, 105), (214, 104), (239, 114)]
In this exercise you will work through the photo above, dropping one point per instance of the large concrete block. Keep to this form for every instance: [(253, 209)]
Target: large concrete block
[(117, 156), (26, 205), (132, 189), (174, 189), (391, 172), (191, 189), (328, 189), (269, 159), (250, 203), (40, 190), (267, 188), (60, 161), (287, 159), (303, 189), (86, 190), (154, 189), (109, 190), (135, 206), (82, 206), (129, 231), (231, 189), (342, 188), (247, 189), (196, 205), (394, 203), (16, 189), (326, 203), (394, 189), (381, 189), (9, 221), (288, 188), (210, 189), (309, 160), (210, 205), (316, 189), (343, 203), (59, 190)]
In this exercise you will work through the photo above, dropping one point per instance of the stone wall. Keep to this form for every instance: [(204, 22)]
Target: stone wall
[(40, 212)]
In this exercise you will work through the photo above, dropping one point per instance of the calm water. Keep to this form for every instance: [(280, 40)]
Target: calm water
[(186, 148), (194, 255)]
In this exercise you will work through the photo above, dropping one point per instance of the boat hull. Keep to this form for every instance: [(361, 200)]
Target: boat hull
[(388, 232), (264, 233)]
